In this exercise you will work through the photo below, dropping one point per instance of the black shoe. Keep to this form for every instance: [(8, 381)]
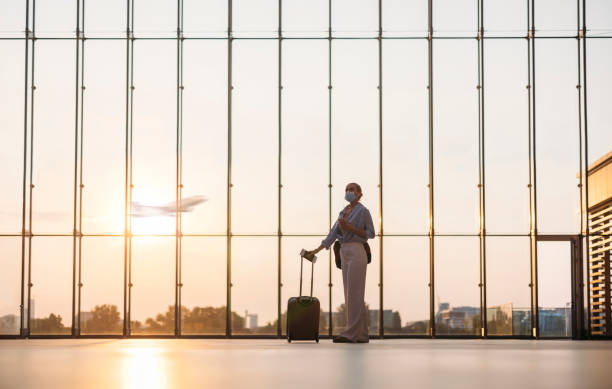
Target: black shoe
[(364, 341), (342, 339)]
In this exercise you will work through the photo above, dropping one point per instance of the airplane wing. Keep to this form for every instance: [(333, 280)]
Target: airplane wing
[(187, 204)]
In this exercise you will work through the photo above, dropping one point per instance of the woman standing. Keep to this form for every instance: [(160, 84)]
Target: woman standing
[(352, 229)]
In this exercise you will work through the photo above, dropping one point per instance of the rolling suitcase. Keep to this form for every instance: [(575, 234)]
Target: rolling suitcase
[(303, 313)]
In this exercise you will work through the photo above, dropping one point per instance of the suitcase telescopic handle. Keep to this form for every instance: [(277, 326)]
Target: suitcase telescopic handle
[(311, 274)]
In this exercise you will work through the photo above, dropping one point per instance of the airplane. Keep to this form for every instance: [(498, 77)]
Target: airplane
[(187, 205)]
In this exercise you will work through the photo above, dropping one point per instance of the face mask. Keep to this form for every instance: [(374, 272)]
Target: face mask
[(349, 196)]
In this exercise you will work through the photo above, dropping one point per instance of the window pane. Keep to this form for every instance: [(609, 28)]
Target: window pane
[(154, 135), (12, 19), (54, 137), (105, 18), (104, 137), (371, 293), (255, 18), (506, 137), (455, 18), (455, 137), (355, 123), (155, 18), (555, 17), (599, 79), (355, 18), (505, 18), (405, 137), (56, 18), (11, 135), (153, 276), (457, 275), (255, 137), (51, 298), (102, 269), (508, 292), (10, 285), (554, 289), (255, 287), (406, 283), (306, 18), (305, 138), (598, 18), (402, 18), (205, 18), (557, 147), (205, 135), (203, 296), (290, 280)]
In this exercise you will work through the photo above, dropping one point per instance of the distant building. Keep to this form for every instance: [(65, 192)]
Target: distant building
[(86, 316), (555, 321), (25, 309), (500, 319), (250, 320), (600, 228), (521, 321), (459, 318)]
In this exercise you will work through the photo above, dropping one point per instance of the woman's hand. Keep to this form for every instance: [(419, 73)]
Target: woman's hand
[(316, 250), (345, 225)]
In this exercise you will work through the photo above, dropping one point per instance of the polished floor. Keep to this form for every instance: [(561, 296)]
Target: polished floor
[(188, 363)]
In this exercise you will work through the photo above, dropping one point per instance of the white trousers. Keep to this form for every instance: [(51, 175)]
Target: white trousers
[(354, 266)]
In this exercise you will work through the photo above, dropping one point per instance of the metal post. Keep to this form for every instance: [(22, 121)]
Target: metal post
[(432, 325), (73, 329), (535, 172), (532, 171), (22, 330), (127, 142), (577, 289), (381, 331), (329, 145), (280, 149), (132, 87), (179, 168), (578, 87), (31, 167), (228, 317), (581, 176), (481, 174), (586, 152), (81, 186), (129, 109)]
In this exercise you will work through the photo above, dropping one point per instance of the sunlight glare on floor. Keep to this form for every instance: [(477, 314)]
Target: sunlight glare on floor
[(143, 367)]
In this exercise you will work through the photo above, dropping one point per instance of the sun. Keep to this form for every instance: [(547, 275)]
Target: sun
[(154, 225)]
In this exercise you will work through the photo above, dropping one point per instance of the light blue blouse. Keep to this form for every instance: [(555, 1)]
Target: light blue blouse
[(360, 218)]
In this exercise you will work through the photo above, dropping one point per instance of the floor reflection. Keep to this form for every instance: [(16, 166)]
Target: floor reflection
[(143, 367), (265, 364)]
